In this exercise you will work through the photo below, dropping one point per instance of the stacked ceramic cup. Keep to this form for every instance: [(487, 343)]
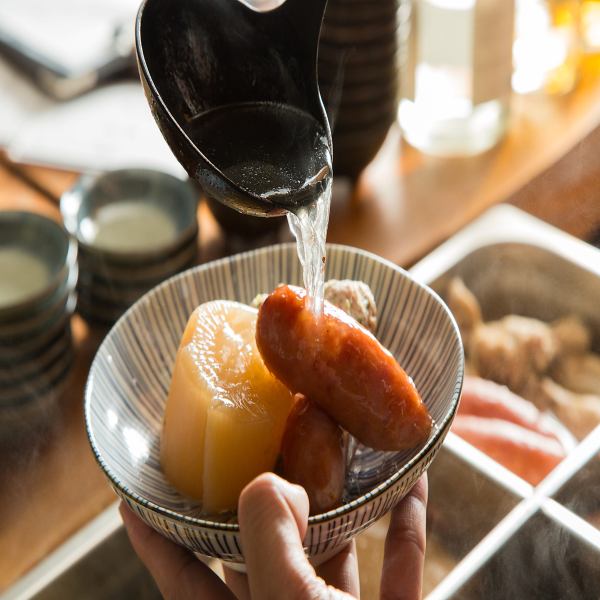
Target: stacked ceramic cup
[(134, 228), (38, 271), (358, 78)]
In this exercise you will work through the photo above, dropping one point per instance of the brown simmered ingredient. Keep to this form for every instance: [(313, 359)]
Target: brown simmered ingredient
[(484, 398), (571, 335), (579, 412), (341, 367), (464, 306), (528, 454), (549, 364), (579, 373), (354, 298), (312, 454), (535, 337), (514, 350)]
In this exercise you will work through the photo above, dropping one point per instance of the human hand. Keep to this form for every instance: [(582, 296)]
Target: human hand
[(273, 517)]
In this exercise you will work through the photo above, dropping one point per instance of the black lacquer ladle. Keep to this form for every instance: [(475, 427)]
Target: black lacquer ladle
[(198, 56)]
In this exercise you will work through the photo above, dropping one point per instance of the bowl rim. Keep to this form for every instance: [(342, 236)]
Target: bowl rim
[(439, 431)]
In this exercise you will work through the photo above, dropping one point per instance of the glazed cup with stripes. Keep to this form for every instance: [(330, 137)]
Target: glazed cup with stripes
[(119, 261), (38, 274), (130, 377)]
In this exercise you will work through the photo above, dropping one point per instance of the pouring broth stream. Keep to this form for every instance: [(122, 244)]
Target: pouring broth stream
[(309, 226)]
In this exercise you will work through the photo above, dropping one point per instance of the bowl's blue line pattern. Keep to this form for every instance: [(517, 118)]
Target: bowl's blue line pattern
[(321, 538), (129, 379)]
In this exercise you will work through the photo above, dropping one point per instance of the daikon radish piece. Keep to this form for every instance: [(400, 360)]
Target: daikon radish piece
[(225, 412)]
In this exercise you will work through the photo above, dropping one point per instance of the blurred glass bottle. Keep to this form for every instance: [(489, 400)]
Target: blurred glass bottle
[(546, 51), (456, 67), (590, 26)]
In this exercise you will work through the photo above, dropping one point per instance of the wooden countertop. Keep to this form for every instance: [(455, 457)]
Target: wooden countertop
[(404, 205)]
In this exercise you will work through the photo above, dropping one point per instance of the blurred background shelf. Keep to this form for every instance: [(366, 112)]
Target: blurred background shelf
[(403, 205), (405, 202), (549, 165)]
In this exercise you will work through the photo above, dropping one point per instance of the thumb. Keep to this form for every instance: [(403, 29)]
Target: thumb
[(273, 517)]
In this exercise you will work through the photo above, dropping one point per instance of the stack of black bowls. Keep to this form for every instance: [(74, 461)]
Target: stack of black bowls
[(135, 254), (358, 78), (38, 271)]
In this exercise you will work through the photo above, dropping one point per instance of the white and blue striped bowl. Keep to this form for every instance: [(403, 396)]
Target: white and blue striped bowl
[(130, 377)]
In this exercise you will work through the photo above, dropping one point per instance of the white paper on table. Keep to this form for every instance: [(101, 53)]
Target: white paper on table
[(74, 34), (19, 102), (108, 128)]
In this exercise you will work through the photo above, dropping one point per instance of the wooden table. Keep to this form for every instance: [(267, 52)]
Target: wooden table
[(403, 206)]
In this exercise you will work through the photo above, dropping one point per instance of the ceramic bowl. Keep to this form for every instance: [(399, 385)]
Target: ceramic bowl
[(46, 242), (20, 392), (130, 377), (105, 291), (29, 347), (140, 274), (176, 200), (35, 335), (117, 267), (27, 329), (16, 369), (111, 294)]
